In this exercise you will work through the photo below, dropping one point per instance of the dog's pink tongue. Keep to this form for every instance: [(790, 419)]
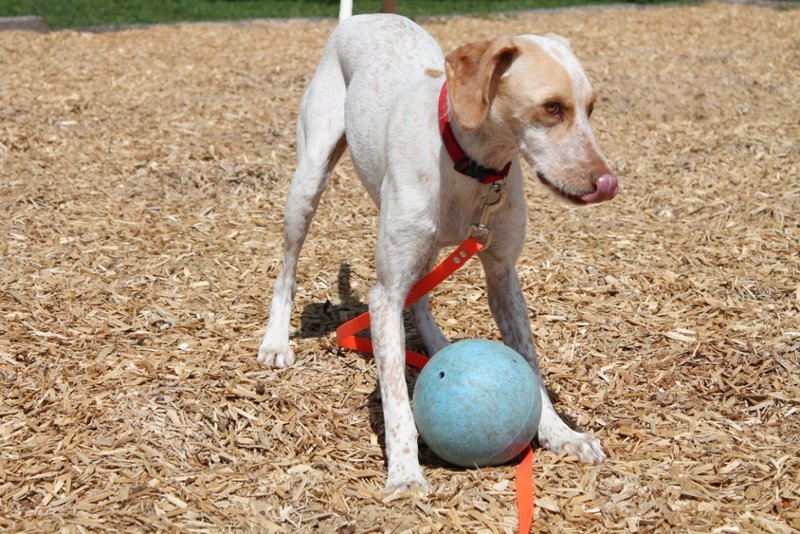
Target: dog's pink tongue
[(606, 189)]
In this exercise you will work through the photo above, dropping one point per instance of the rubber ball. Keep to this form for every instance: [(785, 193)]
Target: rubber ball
[(477, 403)]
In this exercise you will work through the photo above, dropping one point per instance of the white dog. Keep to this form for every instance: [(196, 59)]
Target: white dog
[(377, 91)]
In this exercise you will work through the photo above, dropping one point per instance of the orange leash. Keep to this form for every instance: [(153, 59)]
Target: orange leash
[(346, 338), (346, 334), (525, 491)]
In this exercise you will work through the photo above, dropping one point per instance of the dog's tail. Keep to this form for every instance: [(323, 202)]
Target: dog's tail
[(345, 9)]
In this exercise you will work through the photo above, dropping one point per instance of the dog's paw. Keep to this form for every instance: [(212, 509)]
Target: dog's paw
[(566, 441), (269, 357), (405, 478), (417, 487), (587, 448)]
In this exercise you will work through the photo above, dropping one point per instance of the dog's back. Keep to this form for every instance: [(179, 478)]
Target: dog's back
[(384, 45), (379, 58)]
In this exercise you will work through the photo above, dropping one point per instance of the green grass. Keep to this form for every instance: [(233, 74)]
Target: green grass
[(86, 13)]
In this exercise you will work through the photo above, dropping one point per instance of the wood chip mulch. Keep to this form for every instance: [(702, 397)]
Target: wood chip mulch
[(142, 178)]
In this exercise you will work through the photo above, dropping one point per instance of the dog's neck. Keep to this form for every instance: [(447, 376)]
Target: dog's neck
[(485, 145)]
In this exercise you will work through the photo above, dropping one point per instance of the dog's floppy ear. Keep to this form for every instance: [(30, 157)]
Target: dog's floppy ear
[(473, 71)]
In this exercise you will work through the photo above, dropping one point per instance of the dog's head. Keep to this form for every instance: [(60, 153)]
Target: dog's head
[(533, 91)]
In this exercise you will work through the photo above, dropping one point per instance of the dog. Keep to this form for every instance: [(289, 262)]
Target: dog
[(377, 90)]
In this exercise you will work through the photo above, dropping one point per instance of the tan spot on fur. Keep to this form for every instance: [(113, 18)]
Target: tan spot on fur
[(433, 73)]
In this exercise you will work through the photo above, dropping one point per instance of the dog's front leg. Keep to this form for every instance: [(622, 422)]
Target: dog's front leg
[(403, 248), (511, 314), (401, 432)]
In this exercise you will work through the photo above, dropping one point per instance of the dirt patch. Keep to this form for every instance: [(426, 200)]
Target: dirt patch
[(142, 177)]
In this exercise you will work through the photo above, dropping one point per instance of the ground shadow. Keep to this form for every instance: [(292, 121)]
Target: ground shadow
[(322, 318)]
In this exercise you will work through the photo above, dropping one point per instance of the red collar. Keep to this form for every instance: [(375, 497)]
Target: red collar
[(463, 163)]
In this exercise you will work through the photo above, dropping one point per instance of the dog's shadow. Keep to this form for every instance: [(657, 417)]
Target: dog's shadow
[(321, 319)]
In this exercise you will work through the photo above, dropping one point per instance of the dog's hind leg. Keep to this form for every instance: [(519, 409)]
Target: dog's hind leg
[(432, 336), (320, 144)]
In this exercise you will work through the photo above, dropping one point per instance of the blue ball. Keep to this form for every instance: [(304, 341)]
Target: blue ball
[(477, 403)]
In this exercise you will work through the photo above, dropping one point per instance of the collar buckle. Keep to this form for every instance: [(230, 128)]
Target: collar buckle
[(485, 175)]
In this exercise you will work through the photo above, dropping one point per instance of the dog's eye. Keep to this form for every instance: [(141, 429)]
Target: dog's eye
[(553, 108)]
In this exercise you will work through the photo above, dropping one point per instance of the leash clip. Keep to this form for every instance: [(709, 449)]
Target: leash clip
[(493, 200)]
